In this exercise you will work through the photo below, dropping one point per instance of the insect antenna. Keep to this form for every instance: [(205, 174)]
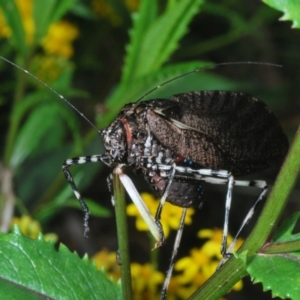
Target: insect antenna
[(209, 67), (52, 90)]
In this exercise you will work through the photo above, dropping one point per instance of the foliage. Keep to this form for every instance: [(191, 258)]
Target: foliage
[(32, 267), (290, 9), (278, 253), (41, 131)]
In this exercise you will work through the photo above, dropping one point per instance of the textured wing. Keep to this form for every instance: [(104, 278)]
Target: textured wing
[(220, 130)]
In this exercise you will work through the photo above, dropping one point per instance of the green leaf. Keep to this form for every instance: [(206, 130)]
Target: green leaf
[(62, 6), (83, 11), (36, 268), (284, 233), (284, 240), (34, 131), (153, 39), (14, 21), (47, 12), (162, 38), (290, 9), (279, 273), (141, 22), (278, 262), (11, 290), (42, 15)]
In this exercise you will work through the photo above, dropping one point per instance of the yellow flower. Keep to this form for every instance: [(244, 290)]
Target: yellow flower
[(213, 246), (170, 217), (48, 68), (5, 31), (32, 228), (25, 10), (145, 281), (177, 290), (192, 267), (107, 260), (202, 262), (59, 39), (60, 34)]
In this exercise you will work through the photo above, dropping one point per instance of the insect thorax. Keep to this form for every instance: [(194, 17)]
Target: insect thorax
[(129, 141)]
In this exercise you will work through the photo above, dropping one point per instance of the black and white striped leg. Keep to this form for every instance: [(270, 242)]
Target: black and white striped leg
[(262, 196), (77, 161), (174, 254), (213, 177), (223, 177), (226, 219), (164, 197)]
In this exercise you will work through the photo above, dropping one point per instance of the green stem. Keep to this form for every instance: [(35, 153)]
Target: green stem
[(122, 231), (14, 122), (154, 252), (284, 247), (223, 280)]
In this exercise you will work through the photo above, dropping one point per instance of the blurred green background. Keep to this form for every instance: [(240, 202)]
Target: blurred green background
[(88, 52)]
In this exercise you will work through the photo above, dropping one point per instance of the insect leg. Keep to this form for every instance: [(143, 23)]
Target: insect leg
[(154, 226), (174, 254), (166, 170), (164, 197), (226, 219), (257, 183), (253, 183), (76, 161), (223, 177)]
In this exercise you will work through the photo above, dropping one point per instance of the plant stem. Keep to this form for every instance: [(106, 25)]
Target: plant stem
[(222, 280), (14, 121), (122, 231)]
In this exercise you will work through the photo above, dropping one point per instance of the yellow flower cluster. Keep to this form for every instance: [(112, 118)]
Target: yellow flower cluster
[(170, 217), (145, 280), (192, 271), (31, 228), (201, 264), (60, 36), (48, 68), (107, 260), (25, 9), (59, 39)]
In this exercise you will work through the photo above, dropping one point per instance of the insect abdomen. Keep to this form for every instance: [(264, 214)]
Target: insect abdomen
[(219, 130)]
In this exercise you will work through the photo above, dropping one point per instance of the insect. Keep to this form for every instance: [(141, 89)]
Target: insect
[(194, 137), (181, 142)]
